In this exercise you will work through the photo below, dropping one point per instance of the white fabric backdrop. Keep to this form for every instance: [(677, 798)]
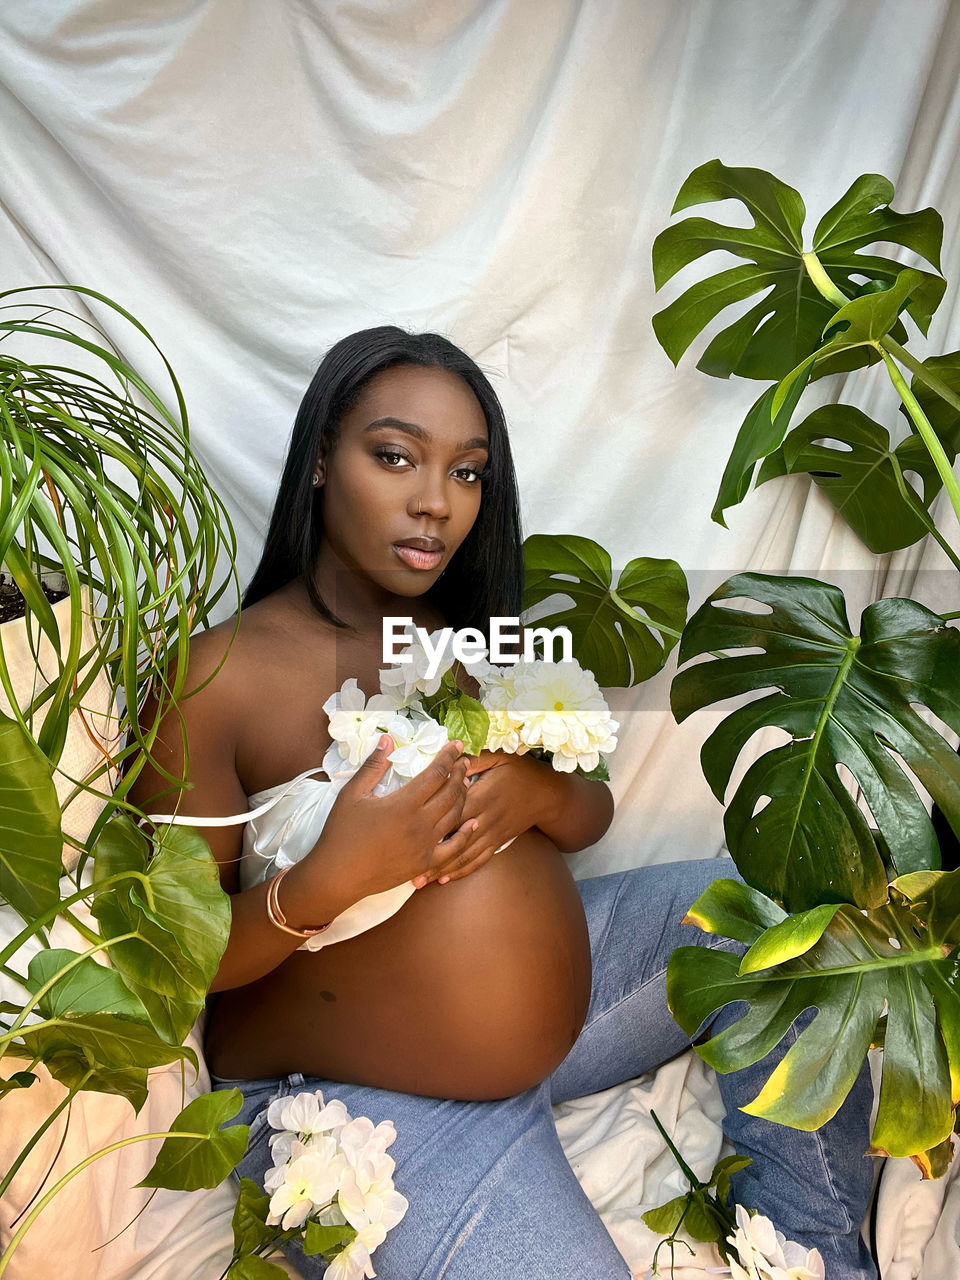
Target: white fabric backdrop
[(255, 180)]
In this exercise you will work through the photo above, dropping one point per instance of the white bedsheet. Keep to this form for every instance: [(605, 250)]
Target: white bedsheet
[(609, 1138)]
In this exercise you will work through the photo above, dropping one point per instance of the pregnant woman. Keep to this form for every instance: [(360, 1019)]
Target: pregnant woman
[(380, 949)]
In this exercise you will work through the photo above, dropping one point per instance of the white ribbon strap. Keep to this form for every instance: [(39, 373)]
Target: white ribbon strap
[(234, 819)]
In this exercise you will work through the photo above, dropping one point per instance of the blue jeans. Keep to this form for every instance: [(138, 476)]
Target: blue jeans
[(492, 1195)]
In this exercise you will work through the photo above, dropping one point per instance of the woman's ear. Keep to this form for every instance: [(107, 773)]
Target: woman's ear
[(320, 474)]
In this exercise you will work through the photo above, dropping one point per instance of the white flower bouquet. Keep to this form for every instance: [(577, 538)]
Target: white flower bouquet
[(554, 710), (331, 1184)]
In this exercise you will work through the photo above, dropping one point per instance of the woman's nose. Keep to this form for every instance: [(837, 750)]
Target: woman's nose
[(432, 500)]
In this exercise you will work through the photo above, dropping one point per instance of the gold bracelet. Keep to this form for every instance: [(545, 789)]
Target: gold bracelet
[(276, 914)]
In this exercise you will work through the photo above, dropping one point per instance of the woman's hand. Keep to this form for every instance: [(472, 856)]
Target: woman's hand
[(372, 843), (509, 795)]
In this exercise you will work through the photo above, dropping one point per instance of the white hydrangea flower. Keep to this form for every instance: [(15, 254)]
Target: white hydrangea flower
[(307, 1182), (406, 680), (765, 1254), (559, 707), (416, 743), (356, 721), (299, 1119), (353, 1262)]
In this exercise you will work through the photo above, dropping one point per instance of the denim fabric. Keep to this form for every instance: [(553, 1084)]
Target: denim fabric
[(492, 1195)]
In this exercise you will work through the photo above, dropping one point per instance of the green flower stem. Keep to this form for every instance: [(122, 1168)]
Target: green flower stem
[(102, 945), (923, 372), (41, 921), (908, 495), (11, 973), (925, 431), (44, 1126), (947, 616), (825, 286), (685, 1169), (35, 1212)]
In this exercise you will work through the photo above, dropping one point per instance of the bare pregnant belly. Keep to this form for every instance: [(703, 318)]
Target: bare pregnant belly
[(475, 989)]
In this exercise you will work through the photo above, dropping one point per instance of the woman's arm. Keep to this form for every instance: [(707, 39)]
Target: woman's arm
[(576, 810)]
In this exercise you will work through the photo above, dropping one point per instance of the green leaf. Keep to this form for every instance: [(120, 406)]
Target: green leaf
[(942, 416), (181, 937), (666, 1218), (792, 937), (600, 774), (88, 987), (254, 1268), (732, 909), (862, 322), (786, 325), (31, 841), (702, 1221), (250, 1230), (19, 1080), (792, 827), (614, 630), (325, 1240), (861, 961), (759, 435), (186, 1164), (724, 1171), (860, 476), (935, 1162), (467, 720)]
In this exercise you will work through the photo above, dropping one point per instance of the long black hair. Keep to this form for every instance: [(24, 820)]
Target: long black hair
[(484, 578)]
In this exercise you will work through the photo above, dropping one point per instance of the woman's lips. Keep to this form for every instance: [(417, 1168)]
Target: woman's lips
[(416, 558)]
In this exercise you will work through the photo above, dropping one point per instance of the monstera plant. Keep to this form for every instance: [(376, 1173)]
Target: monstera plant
[(845, 909), (98, 481)]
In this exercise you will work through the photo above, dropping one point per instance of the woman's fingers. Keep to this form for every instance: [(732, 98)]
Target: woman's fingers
[(437, 774), (465, 865), (452, 845)]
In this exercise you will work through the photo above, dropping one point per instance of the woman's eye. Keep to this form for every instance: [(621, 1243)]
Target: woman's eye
[(471, 474), (390, 455)]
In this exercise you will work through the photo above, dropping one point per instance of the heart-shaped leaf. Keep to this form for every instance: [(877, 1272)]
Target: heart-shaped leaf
[(186, 1164), (181, 937), (622, 634), (862, 964), (864, 476), (31, 841), (792, 826), (786, 325)]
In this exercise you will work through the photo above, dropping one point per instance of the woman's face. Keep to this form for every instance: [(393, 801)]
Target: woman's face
[(401, 488)]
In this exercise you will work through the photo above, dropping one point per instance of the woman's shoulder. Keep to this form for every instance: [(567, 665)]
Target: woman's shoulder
[(262, 641)]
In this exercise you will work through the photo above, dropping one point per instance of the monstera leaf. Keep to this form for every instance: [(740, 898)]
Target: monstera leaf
[(623, 634), (893, 967), (863, 477), (860, 325), (31, 841), (794, 830), (181, 922), (943, 415), (786, 325)]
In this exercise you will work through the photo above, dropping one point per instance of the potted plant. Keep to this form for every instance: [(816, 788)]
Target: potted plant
[(845, 907), (98, 484)]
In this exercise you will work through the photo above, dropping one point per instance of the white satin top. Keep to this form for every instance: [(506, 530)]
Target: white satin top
[(282, 826)]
